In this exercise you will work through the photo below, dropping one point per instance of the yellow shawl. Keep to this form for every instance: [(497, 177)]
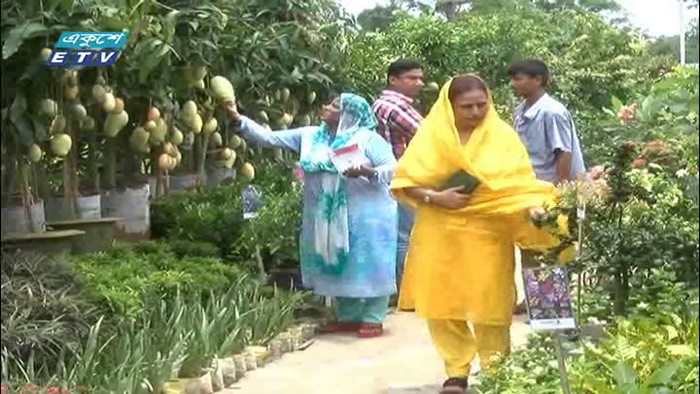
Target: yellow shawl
[(460, 263), (494, 154)]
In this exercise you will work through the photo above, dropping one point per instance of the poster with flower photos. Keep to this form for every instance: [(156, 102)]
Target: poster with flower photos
[(548, 299), (252, 199)]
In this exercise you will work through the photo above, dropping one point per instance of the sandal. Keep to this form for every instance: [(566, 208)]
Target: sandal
[(341, 326), (455, 386), (370, 330)]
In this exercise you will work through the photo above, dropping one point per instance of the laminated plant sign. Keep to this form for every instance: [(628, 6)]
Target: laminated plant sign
[(252, 201), (547, 297), (347, 157)]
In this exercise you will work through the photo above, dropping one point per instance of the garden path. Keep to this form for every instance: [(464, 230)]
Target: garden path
[(403, 361)]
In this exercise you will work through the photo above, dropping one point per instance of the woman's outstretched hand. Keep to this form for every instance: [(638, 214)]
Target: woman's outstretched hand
[(358, 171), (451, 198), (231, 109)]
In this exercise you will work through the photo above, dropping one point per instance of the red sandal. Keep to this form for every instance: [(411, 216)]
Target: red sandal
[(370, 330)]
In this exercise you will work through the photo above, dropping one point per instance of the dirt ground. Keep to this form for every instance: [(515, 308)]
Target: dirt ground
[(403, 361)]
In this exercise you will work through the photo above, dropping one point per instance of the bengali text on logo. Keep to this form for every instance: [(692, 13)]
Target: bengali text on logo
[(87, 48)]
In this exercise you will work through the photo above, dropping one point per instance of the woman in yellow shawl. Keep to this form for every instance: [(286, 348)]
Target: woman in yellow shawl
[(459, 267)]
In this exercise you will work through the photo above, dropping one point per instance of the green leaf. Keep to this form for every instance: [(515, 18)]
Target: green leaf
[(663, 375), (151, 54), (624, 375), (66, 5), (680, 350), (40, 130), (650, 105), (18, 34), (672, 332), (616, 104), (610, 112), (678, 108), (18, 116)]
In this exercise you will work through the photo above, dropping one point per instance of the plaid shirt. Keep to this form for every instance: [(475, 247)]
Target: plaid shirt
[(397, 120)]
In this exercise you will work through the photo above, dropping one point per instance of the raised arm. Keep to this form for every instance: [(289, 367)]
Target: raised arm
[(288, 139)]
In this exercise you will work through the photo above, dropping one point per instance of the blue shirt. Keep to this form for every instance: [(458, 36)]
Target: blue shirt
[(544, 128)]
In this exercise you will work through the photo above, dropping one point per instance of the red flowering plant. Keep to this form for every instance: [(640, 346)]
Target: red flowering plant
[(627, 113), (298, 173), (659, 155), (32, 388)]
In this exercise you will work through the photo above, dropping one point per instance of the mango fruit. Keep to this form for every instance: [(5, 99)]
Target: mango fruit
[(109, 102), (61, 144), (215, 139), (48, 108), (114, 123), (222, 88), (177, 137), (153, 114), (247, 171), (35, 153), (211, 126)]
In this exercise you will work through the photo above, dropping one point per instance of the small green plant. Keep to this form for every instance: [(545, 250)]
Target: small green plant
[(43, 306), (212, 215), (275, 230), (123, 279), (167, 343), (626, 380)]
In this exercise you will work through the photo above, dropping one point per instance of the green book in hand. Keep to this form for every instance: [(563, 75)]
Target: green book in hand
[(462, 178)]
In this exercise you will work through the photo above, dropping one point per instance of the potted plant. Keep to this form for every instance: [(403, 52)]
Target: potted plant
[(195, 371)]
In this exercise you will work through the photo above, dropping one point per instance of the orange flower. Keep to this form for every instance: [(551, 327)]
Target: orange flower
[(53, 390), (639, 162), (596, 172), (29, 388), (627, 113)]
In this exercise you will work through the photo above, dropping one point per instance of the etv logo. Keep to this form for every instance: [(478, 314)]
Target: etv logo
[(89, 48)]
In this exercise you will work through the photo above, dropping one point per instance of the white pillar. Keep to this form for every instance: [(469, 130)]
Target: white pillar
[(519, 283), (681, 18)]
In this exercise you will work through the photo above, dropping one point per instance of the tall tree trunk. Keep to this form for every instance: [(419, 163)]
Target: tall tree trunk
[(10, 182), (111, 165), (201, 164), (93, 166)]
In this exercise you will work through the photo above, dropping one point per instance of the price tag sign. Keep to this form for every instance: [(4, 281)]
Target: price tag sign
[(347, 157), (547, 298), (252, 199)]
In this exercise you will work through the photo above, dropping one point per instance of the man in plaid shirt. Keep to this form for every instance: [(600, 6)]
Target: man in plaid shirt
[(397, 122)]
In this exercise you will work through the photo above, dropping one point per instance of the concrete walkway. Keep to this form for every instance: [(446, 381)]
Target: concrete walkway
[(403, 361)]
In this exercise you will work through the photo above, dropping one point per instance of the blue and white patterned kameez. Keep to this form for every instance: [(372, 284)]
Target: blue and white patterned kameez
[(354, 218)]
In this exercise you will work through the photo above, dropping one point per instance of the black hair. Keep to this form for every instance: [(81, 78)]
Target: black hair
[(397, 68), (330, 94), (465, 83), (530, 67)]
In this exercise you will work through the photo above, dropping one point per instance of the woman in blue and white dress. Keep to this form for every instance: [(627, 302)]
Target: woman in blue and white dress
[(348, 240)]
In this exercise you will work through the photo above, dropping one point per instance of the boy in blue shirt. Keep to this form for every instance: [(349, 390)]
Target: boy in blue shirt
[(547, 130)]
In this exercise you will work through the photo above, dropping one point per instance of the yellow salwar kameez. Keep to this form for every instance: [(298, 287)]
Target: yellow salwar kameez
[(459, 267)]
